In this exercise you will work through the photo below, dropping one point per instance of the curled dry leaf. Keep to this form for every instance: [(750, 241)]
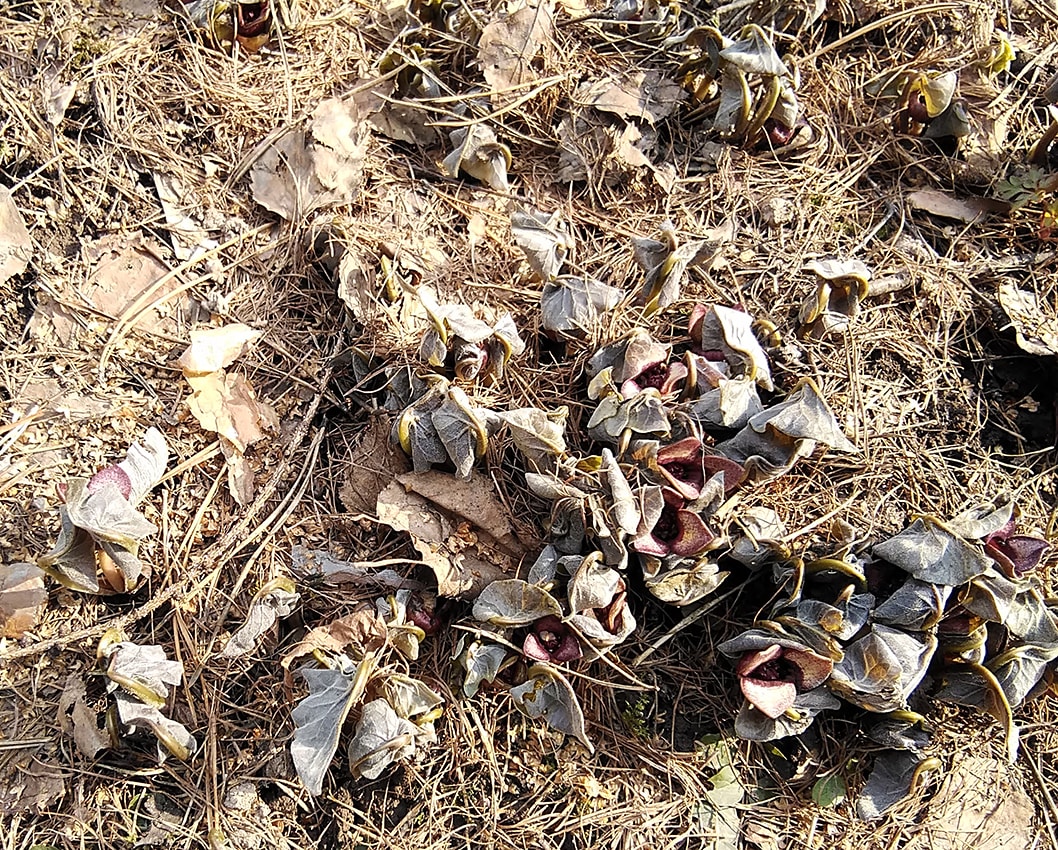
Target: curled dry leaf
[(275, 600), (836, 302), (461, 530), (729, 332), (143, 671), (16, 246), (547, 695), (226, 403), (381, 738), (22, 598), (780, 435), (1036, 328), (78, 721), (355, 635)]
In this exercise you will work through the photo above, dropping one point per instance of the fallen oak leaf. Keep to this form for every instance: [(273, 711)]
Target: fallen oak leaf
[(213, 349), (464, 556), (78, 721), (354, 635), (16, 246), (509, 46)]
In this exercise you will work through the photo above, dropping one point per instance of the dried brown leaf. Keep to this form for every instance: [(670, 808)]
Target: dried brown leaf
[(22, 598)]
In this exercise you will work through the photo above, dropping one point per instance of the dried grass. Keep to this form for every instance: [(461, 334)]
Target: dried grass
[(923, 385)]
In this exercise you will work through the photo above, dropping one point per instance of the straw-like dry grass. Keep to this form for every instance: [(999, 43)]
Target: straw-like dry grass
[(928, 384)]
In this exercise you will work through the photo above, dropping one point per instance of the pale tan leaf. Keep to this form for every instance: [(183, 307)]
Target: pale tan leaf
[(22, 598), (214, 348), (16, 247)]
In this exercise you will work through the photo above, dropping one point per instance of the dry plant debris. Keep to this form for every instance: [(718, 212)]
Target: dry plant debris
[(543, 424)]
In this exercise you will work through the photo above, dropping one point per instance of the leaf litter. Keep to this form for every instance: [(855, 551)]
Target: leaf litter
[(729, 457)]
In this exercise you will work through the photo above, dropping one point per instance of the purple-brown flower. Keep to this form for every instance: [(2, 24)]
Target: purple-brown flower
[(686, 467), (772, 677), (550, 639), (1017, 554), (112, 474), (678, 531), (663, 376)]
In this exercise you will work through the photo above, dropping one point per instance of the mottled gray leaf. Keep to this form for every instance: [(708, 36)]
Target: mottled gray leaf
[(106, 514), (1020, 669), (538, 434), (753, 53), (544, 239), (571, 303), (72, 560), (754, 725), (623, 503), (143, 671), (410, 698), (915, 605), (381, 738), (263, 613), (513, 602), (983, 519), (881, 669), (686, 585), (731, 333), (173, 737), (890, 782), (546, 694), (461, 431), (593, 585), (318, 718), (479, 154), (930, 552), (482, 662)]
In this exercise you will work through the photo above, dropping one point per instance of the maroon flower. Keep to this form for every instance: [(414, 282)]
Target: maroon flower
[(772, 677), (253, 19), (423, 613), (111, 475), (662, 376), (677, 531), (645, 364), (686, 467), (1017, 554), (550, 639)]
